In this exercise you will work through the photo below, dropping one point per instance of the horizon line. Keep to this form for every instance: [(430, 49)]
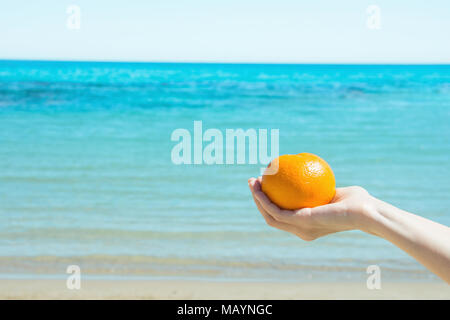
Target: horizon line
[(225, 62)]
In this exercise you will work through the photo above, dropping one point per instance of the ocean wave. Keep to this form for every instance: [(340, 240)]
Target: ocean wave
[(151, 266)]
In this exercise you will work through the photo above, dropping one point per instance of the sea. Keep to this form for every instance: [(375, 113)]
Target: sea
[(87, 176)]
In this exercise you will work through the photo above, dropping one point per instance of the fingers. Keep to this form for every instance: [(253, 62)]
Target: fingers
[(270, 220), (271, 208), (267, 217)]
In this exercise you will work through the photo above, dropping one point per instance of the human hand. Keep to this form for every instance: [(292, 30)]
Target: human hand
[(354, 208), (351, 208)]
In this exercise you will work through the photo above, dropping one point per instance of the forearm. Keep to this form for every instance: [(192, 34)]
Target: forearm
[(426, 241)]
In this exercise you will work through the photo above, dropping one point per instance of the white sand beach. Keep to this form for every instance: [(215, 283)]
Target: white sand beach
[(165, 289)]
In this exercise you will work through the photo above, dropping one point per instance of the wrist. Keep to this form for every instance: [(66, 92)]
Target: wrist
[(371, 218)]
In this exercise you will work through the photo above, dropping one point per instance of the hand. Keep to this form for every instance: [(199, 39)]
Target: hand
[(351, 208)]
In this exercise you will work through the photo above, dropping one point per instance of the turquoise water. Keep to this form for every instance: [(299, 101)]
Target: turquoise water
[(86, 174)]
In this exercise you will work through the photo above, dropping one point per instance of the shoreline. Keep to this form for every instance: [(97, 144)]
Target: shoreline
[(202, 290)]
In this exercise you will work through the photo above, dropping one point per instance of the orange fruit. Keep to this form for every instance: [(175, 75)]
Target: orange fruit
[(302, 180)]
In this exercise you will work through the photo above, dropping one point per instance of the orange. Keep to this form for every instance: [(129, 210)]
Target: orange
[(302, 180)]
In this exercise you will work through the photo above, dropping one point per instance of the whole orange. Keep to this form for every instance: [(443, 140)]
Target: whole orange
[(302, 180)]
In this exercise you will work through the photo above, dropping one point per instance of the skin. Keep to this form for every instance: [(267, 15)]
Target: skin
[(353, 208)]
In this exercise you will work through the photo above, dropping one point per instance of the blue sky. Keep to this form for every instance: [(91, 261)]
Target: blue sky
[(286, 31)]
